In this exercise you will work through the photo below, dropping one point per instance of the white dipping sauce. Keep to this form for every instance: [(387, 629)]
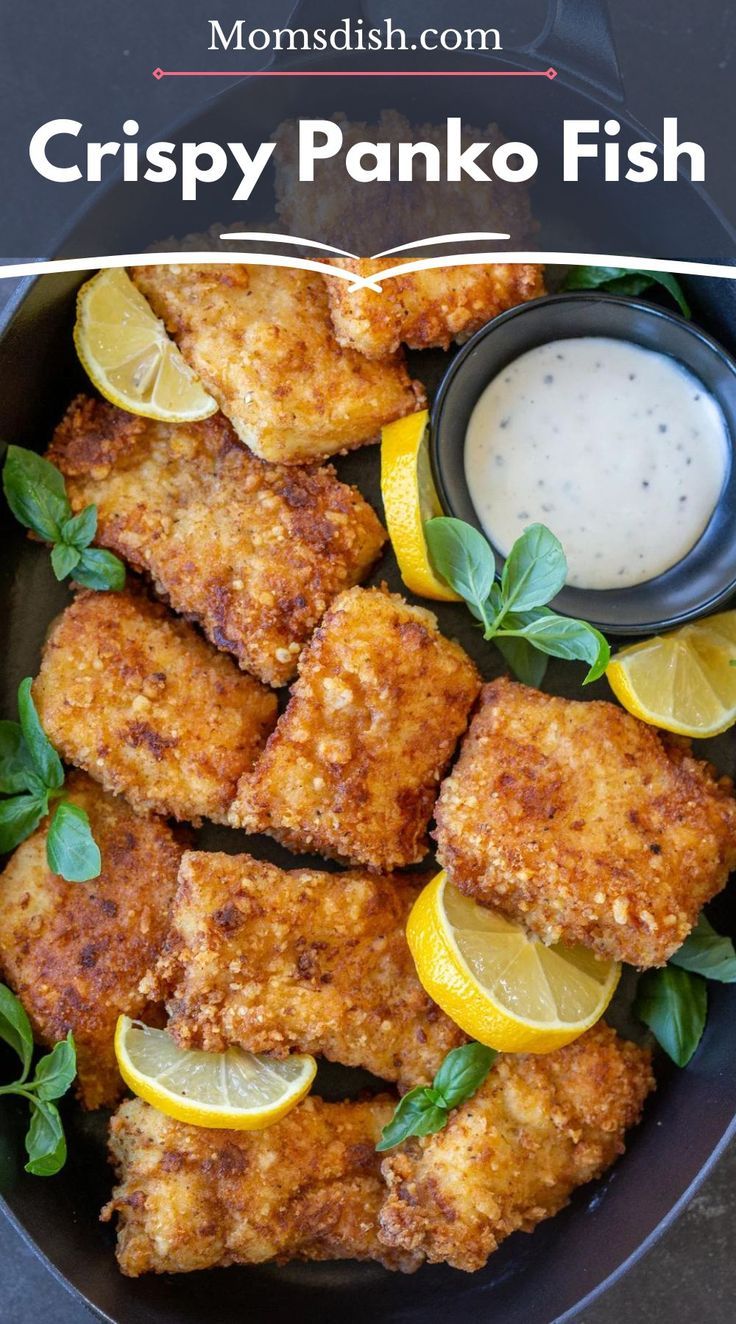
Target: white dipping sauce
[(619, 450)]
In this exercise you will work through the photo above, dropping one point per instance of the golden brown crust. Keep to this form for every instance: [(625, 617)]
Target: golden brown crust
[(142, 703), (75, 953), (307, 1188), (262, 342), (299, 960), (253, 552), (353, 766), (584, 824), (424, 309), (512, 1155)]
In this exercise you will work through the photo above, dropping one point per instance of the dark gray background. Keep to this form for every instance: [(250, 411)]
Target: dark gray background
[(93, 61)]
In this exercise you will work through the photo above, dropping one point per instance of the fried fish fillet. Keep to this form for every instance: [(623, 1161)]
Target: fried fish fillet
[(253, 552), (513, 1154), (424, 309), (302, 960), (306, 1188), (584, 824), (75, 953), (261, 340), (353, 767), (141, 702)]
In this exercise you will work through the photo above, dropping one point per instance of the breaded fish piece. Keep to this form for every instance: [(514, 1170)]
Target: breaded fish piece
[(141, 702), (424, 309), (584, 824), (253, 552), (261, 340), (354, 764), (513, 1154), (301, 960), (75, 953), (306, 1188)]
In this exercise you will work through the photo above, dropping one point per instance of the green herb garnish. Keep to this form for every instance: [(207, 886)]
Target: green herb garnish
[(34, 490), (673, 1001), (426, 1108), (514, 613), (619, 280), (32, 777), (45, 1142)]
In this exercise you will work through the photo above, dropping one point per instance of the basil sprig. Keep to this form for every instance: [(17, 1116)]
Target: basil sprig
[(673, 1001), (619, 280), (514, 613), (45, 1142), (32, 778), (426, 1108), (34, 490)]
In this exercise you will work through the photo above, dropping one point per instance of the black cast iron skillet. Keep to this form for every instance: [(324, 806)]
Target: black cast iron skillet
[(531, 1280)]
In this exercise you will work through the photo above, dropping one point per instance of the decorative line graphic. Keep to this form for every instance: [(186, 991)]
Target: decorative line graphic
[(208, 257), (159, 73)]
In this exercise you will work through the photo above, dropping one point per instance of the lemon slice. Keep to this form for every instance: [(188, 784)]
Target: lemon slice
[(239, 1090), (683, 681), (125, 351), (409, 499), (502, 987)]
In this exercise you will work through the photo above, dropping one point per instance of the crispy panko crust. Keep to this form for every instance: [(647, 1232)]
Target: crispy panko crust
[(253, 552), (142, 703), (354, 764), (304, 961), (261, 340), (306, 1188), (584, 824), (424, 309), (514, 1153), (75, 953)]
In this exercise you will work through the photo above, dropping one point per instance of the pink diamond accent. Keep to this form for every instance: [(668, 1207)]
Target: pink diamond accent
[(158, 73), (551, 73)]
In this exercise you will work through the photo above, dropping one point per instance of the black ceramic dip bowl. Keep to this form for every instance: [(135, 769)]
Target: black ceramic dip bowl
[(706, 575)]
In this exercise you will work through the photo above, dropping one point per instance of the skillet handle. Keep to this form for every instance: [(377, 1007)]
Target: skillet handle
[(577, 38)]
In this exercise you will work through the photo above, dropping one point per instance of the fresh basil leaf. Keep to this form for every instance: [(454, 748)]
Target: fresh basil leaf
[(705, 952), (673, 1003), (561, 636), (35, 492), (619, 280), (56, 1071), (100, 569), (535, 569), (461, 555), (415, 1115), (524, 660), (19, 817), (15, 765), (15, 1027), (45, 1143), (46, 761), (79, 530), (71, 850), (63, 559), (463, 1072)]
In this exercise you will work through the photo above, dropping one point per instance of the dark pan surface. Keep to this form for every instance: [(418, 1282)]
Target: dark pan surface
[(533, 1279)]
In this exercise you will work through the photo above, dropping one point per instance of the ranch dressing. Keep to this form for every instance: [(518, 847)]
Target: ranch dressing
[(619, 450)]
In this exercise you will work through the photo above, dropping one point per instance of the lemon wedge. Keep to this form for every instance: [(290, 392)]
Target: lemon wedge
[(502, 987), (683, 681), (126, 353), (238, 1090), (409, 499)]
